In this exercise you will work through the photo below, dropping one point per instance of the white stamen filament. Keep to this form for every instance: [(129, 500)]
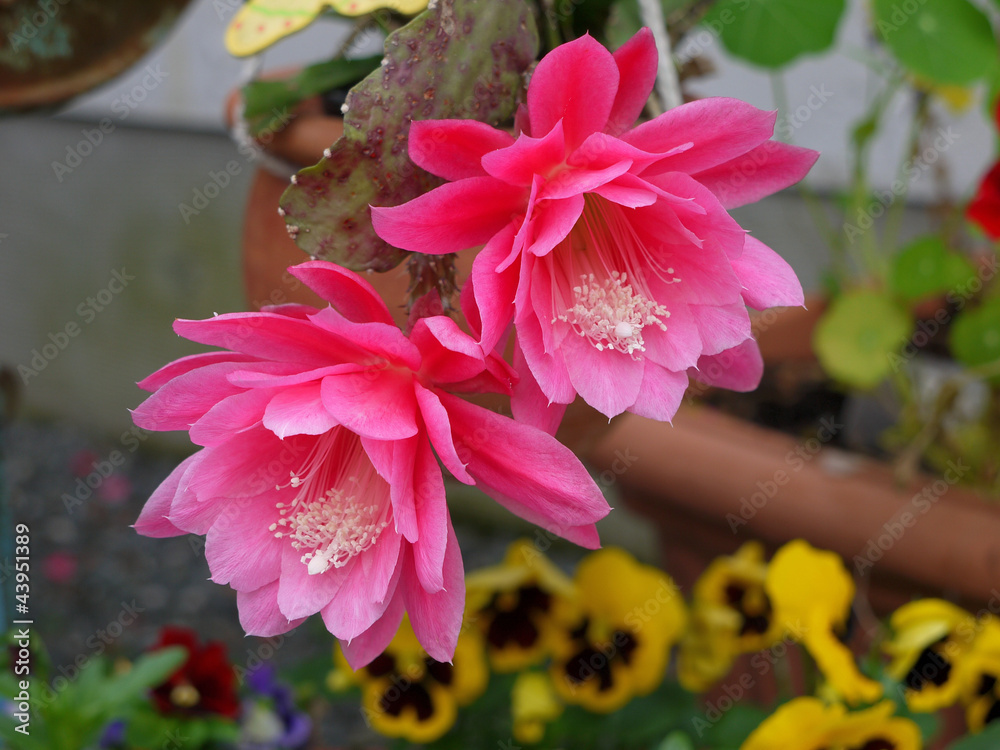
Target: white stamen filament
[(342, 506)]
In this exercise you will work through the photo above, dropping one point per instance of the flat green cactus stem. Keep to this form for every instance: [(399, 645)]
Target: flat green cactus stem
[(461, 59)]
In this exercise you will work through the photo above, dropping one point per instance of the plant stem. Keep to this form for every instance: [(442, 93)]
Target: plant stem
[(668, 86)]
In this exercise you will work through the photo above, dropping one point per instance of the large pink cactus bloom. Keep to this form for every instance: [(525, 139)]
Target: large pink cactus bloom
[(317, 486), (610, 248)]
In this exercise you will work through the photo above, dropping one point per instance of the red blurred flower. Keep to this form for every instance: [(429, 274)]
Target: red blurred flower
[(984, 209), (204, 684)]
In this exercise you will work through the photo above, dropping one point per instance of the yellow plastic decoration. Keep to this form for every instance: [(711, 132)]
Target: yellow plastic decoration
[(261, 23)]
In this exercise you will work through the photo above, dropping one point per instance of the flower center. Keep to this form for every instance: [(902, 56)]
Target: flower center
[(611, 315), (601, 280), (342, 505)]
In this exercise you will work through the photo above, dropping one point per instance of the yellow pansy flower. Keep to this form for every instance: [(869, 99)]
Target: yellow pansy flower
[(930, 637), (811, 593), (980, 676), (731, 614), (519, 606), (533, 705), (809, 724), (405, 693), (260, 23), (629, 617)]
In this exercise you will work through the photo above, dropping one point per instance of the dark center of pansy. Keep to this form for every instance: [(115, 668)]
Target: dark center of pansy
[(595, 661), (986, 684), (930, 668), (415, 695), (993, 714), (404, 690), (756, 616), (513, 621)]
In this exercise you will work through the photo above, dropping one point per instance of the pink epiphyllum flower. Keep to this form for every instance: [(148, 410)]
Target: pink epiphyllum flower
[(610, 248), (317, 487)]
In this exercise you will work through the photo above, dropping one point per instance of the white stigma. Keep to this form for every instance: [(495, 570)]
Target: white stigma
[(611, 315)]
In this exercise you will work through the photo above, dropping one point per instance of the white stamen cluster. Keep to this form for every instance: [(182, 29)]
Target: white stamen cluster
[(332, 528), (611, 315)]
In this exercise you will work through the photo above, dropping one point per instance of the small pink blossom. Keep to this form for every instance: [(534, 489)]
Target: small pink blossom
[(318, 488), (610, 248)]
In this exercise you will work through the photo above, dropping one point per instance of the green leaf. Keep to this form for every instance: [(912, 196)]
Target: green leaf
[(927, 267), (944, 41), (988, 739), (490, 43), (733, 727), (772, 33), (266, 103), (856, 335), (975, 336), (147, 671)]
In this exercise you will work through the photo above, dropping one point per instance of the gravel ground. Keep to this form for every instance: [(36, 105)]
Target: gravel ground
[(97, 585)]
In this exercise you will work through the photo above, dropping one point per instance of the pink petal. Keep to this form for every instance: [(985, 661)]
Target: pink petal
[(181, 402), (576, 83), (518, 164), (376, 339), (553, 223), (451, 218), (240, 548), (432, 518), (437, 616), (439, 430), (393, 460), (297, 376), (376, 403), (677, 348), (738, 369), (548, 370), (350, 295), (767, 278), (528, 404), (720, 129), (766, 169), (270, 336), (454, 149), (448, 354), (250, 463), (661, 393), (573, 183), (527, 471), (363, 649), (494, 290), (607, 380), (197, 516), (231, 415), (721, 326), (185, 364), (301, 594), (152, 520), (259, 613), (636, 60), (353, 610), (298, 410)]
